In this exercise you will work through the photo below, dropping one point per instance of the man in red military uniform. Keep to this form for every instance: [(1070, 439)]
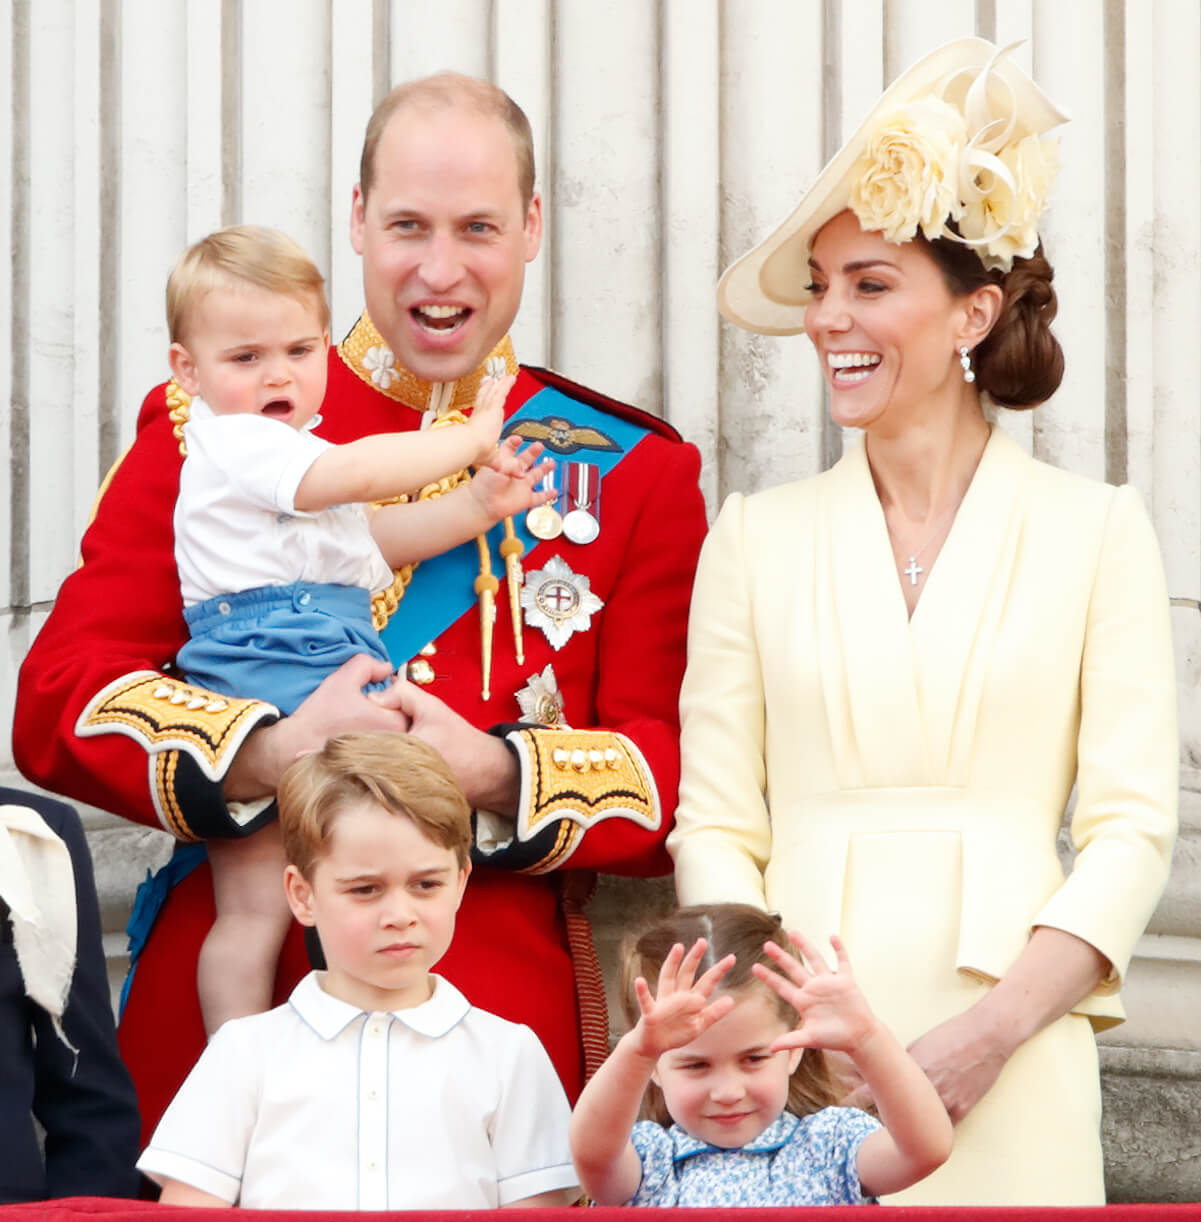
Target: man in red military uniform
[(510, 644)]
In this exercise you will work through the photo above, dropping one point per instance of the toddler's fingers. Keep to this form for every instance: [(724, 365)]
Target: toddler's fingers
[(669, 970), (709, 981), (796, 1038), (642, 991), (691, 960), (790, 990), (716, 1010), (789, 964), (840, 949), (810, 955)]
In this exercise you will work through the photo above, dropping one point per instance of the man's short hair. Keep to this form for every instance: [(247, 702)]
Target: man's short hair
[(241, 255), (444, 91), (401, 774)]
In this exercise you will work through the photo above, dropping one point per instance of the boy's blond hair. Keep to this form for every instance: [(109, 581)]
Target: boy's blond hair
[(241, 255), (401, 774)]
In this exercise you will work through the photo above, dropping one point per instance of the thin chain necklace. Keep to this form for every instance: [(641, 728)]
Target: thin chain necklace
[(913, 570)]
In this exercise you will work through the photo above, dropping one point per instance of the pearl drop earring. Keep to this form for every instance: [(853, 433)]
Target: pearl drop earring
[(965, 363)]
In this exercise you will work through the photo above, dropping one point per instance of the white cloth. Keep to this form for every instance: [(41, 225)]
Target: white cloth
[(37, 882), (236, 524), (319, 1105)]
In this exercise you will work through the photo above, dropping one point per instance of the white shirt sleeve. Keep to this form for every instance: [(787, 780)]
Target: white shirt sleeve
[(529, 1136), (204, 1135), (263, 459)]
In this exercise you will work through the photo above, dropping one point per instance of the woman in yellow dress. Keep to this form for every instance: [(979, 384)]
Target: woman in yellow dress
[(899, 668)]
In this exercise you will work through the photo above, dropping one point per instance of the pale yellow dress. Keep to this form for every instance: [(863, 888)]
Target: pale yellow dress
[(902, 781)]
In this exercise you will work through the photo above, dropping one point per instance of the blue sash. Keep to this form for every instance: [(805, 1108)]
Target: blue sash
[(443, 588)]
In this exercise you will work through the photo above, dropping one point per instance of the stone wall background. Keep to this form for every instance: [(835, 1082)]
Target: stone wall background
[(671, 134)]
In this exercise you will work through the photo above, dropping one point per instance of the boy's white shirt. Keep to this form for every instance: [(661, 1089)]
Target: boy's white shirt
[(236, 524), (319, 1105)]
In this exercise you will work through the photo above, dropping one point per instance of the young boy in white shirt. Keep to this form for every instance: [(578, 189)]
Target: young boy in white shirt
[(377, 1085), (278, 555)]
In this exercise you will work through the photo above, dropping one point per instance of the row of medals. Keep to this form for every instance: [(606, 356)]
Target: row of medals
[(575, 511)]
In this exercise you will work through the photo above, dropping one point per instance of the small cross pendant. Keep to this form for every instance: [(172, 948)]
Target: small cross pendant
[(912, 570)]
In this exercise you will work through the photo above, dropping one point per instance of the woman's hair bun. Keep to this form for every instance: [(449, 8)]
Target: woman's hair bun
[(1019, 363)]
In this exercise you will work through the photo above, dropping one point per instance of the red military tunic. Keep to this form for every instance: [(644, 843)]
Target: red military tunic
[(101, 717)]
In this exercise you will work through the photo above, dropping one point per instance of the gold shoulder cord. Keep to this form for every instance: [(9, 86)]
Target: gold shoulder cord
[(384, 605), (177, 411)]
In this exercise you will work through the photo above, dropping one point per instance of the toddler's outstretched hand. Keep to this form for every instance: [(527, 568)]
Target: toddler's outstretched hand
[(508, 484), (488, 415), (834, 1013), (680, 1009)]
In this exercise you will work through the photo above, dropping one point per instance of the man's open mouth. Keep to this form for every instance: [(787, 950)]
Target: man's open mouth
[(440, 318)]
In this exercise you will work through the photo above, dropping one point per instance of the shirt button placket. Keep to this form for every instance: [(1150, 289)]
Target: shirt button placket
[(373, 1113)]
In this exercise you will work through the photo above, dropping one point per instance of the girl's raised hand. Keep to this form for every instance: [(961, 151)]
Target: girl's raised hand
[(680, 1009), (834, 1013)]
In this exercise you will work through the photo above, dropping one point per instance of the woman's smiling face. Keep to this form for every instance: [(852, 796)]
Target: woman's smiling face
[(885, 325)]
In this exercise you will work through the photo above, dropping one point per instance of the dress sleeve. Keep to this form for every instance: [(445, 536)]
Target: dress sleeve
[(722, 837), (84, 1099), (1124, 822), (96, 715), (529, 1136), (827, 1156), (204, 1135)]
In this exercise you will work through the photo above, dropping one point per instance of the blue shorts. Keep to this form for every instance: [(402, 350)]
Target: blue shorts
[(277, 643)]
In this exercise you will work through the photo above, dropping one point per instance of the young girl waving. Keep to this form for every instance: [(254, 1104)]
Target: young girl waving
[(733, 1057)]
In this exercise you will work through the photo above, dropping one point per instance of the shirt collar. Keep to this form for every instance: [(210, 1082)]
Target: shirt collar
[(776, 1135), (329, 1016), (366, 352)]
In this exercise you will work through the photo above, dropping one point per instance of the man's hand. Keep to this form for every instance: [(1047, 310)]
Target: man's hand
[(336, 706), (482, 764)]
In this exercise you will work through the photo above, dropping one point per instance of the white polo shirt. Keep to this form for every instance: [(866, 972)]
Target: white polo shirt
[(236, 524), (319, 1105)]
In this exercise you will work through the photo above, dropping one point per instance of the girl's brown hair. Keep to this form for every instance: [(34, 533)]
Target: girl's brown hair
[(1019, 363), (736, 929)]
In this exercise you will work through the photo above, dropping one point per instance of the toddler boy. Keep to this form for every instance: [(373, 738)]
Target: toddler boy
[(278, 555), (377, 1085)]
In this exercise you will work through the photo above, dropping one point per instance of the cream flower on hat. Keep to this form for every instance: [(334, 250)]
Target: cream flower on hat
[(908, 176), (1003, 222)]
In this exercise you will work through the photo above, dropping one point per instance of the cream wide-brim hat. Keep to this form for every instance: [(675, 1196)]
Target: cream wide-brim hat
[(764, 290)]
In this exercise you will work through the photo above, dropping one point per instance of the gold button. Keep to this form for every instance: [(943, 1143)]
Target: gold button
[(429, 650), (420, 671)]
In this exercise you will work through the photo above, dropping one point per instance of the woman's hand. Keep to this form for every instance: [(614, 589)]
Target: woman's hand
[(964, 1056), (834, 1013), (680, 1009), (963, 1059)]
